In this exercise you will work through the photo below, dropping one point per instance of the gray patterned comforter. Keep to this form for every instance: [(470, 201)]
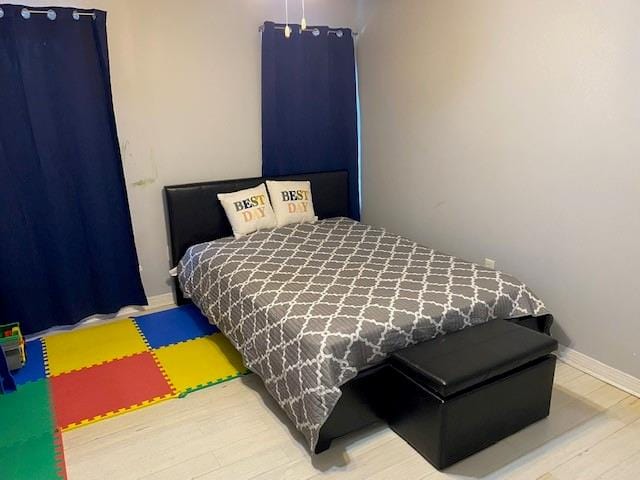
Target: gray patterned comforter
[(310, 305)]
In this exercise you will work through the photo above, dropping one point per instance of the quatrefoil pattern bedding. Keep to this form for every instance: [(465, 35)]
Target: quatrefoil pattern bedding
[(310, 305)]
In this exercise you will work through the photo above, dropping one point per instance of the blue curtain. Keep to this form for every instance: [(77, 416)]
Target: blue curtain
[(67, 248), (309, 104)]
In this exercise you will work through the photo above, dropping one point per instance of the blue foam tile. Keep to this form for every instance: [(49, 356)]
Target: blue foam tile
[(175, 325), (34, 369)]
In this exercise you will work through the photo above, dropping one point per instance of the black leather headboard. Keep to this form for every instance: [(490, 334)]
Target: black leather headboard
[(194, 214)]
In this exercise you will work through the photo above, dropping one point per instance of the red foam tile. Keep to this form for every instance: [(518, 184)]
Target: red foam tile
[(102, 389)]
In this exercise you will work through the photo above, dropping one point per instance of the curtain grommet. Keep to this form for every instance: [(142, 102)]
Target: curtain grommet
[(339, 34), (76, 15), (51, 15), (26, 14), (1, 13), (316, 32)]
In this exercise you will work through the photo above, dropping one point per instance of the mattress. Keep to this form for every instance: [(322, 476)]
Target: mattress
[(310, 305)]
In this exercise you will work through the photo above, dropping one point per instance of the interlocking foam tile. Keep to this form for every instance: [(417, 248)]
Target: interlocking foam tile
[(62, 464), (174, 326), (36, 458), (88, 395), (34, 369), (25, 413), (91, 346), (201, 362)]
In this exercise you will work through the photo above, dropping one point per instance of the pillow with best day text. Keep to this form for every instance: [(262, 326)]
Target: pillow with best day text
[(292, 202), (248, 210)]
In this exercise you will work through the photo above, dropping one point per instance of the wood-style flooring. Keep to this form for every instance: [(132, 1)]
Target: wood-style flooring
[(235, 431)]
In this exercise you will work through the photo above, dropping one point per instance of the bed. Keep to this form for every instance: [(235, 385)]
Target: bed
[(315, 309)]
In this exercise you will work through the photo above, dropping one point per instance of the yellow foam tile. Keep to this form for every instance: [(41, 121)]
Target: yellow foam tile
[(92, 345), (200, 361)]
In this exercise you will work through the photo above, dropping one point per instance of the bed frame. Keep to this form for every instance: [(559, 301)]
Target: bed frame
[(194, 215)]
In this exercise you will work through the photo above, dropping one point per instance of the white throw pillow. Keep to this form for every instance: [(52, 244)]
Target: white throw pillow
[(292, 202), (248, 210)]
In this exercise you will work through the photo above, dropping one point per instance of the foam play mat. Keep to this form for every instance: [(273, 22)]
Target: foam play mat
[(39, 457), (30, 444), (91, 346), (200, 362), (82, 376), (85, 396)]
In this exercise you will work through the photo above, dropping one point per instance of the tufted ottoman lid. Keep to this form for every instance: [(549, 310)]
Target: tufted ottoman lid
[(452, 363)]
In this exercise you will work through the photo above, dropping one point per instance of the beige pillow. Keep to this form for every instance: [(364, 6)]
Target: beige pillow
[(292, 202), (248, 210)]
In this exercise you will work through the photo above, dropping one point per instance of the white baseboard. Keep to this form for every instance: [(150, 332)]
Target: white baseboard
[(601, 371), (160, 301), (156, 302)]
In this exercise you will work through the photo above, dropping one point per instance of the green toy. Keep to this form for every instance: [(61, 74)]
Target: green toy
[(13, 345)]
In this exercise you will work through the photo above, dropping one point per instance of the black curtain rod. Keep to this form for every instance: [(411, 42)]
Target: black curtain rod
[(52, 15), (311, 30)]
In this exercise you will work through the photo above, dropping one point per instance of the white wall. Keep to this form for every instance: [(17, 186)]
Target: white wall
[(510, 129), (186, 87)]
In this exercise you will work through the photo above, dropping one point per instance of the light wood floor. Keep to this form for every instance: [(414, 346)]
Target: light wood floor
[(235, 431)]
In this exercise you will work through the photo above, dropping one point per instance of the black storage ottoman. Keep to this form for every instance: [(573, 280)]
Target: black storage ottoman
[(462, 392)]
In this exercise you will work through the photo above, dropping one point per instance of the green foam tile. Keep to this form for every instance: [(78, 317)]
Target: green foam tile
[(26, 413), (203, 386), (32, 459)]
